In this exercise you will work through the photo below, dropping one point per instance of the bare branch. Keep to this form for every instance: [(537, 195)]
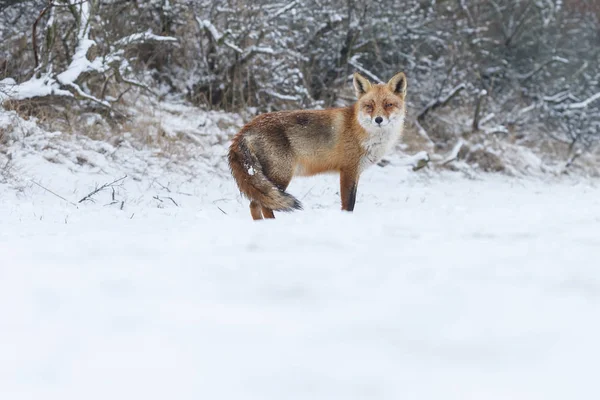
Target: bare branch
[(51, 192), (441, 101), (34, 32), (89, 196)]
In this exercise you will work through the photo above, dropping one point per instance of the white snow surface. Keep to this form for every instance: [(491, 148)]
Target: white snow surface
[(438, 286)]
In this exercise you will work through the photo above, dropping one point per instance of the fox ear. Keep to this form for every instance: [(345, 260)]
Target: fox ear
[(398, 84), (361, 85)]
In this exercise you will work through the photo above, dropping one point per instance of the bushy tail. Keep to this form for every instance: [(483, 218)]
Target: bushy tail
[(253, 183)]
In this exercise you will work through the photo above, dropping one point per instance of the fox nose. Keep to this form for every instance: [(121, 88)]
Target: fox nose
[(379, 120)]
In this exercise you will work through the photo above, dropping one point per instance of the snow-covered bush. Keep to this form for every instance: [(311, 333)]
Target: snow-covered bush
[(523, 71), (74, 51)]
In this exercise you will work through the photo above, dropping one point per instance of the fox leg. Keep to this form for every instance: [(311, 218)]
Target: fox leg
[(267, 213), (348, 185), (255, 210)]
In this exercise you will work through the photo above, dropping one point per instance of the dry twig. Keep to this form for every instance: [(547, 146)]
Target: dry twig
[(101, 188)]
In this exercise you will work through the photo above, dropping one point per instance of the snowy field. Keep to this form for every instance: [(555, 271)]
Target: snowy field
[(436, 287)]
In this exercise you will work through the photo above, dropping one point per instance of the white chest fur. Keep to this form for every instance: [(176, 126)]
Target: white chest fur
[(380, 142)]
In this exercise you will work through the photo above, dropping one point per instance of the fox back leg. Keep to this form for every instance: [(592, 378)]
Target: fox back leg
[(268, 213), (255, 210)]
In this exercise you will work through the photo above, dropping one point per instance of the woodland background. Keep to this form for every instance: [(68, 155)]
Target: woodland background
[(489, 80)]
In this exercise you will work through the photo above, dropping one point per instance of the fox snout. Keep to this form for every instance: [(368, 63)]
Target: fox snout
[(380, 121), (375, 121)]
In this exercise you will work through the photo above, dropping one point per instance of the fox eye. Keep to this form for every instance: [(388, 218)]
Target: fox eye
[(369, 107), (388, 105)]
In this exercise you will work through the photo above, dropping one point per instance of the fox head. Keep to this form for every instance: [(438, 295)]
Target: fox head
[(380, 105)]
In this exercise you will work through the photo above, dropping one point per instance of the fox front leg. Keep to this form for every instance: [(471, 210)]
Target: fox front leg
[(348, 185)]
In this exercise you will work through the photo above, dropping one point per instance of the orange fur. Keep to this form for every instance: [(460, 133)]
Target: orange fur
[(273, 147)]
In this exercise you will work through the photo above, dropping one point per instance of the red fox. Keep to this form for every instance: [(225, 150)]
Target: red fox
[(273, 147)]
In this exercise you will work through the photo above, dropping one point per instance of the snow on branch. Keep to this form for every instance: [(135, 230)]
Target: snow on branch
[(560, 97), (527, 109), (490, 130), (487, 118), (143, 37), (281, 96), (49, 84), (531, 74), (259, 49), (206, 24), (441, 101), (254, 50), (582, 104), (217, 37), (283, 10), (453, 154), (86, 96), (453, 92), (80, 62), (417, 161), (354, 62), (35, 87)]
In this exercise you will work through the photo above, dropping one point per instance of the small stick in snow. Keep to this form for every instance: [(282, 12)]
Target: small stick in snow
[(101, 188), (50, 191), (307, 193), (157, 197), (220, 209), (163, 186), (174, 202)]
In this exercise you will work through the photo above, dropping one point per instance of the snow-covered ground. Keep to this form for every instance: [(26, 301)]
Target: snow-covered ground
[(436, 287)]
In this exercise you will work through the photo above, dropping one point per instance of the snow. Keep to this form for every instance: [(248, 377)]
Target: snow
[(582, 104), (206, 24), (80, 62), (34, 87), (437, 286), (258, 49), (143, 37), (281, 96), (211, 28), (354, 61), (453, 155), (47, 84), (283, 10)]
